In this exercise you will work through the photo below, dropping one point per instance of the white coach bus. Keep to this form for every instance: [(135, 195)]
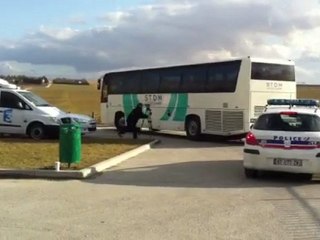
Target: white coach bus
[(220, 98)]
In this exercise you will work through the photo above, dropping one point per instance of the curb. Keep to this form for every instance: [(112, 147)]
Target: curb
[(77, 174)]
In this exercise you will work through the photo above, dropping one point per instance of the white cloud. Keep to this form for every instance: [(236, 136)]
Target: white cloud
[(59, 34), (177, 32), (114, 18)]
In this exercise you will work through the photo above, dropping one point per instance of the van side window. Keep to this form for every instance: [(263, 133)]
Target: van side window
[(10, 100)]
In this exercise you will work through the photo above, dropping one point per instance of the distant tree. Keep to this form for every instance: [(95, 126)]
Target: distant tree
[(22, 79), (70, 81)]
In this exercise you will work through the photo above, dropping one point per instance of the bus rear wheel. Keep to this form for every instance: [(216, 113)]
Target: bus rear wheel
[(193, 128)]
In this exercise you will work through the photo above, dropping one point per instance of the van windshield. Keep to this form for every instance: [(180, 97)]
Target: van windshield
[(35, 99)]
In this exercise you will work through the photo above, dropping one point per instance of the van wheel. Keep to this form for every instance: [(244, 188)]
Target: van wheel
[(119, 121), (251, 173), (36, 131), (193, 128)]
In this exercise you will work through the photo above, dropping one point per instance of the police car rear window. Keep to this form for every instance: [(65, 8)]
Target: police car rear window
[(288, 122)]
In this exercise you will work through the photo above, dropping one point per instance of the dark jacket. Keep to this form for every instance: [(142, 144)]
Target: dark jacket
[(135, 115)]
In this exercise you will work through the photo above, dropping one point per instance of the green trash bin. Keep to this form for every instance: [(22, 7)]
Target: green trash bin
[(70, 143)]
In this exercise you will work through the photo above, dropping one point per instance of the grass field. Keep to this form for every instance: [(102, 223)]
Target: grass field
[(24, 153), (308, 91), (83, 99)]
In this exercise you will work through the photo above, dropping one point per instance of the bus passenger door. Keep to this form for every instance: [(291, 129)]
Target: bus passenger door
[(103, 84)]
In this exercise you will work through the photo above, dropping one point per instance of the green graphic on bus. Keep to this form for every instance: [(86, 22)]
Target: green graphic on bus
[(130, 101), (175, 111)]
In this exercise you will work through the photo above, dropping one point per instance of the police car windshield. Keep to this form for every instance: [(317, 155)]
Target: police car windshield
[(35, 99), (288, 122)]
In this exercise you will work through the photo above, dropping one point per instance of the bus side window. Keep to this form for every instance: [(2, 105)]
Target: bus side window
[(222, 77), (131, 82), (170, 81), (213, 80), (193, 80), (150, 81), (115, 84)]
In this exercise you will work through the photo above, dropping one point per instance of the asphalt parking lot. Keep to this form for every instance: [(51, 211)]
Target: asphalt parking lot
[(178, 190)]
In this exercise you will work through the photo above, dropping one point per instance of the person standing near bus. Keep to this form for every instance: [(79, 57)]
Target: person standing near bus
[(133, 118)]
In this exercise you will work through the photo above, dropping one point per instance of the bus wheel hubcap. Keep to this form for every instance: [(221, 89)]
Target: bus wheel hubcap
[(193, 128)]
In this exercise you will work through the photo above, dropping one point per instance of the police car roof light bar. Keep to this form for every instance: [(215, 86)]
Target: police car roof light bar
[(294, 102)]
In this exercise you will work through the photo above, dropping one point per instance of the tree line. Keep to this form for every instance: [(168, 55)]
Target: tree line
[(22, 79)]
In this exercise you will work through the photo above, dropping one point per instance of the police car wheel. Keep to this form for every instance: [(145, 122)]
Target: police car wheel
[(251, 173), (36, 131), (305, 176)]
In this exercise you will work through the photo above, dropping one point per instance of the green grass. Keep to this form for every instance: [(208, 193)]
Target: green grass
[(83, 99), (308, 92), (24, 153)]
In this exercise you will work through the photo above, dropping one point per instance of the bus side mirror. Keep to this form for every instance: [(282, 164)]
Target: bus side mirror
[(251, 126)]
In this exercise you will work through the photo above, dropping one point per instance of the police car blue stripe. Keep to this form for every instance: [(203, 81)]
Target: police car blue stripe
[(292, 142)]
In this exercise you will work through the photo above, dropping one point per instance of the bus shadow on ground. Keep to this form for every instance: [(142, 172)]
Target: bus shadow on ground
[(197, 174), (169, 140), (202, 138), (172, 140)]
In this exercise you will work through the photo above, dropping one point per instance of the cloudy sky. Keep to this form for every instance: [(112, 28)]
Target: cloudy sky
[(86, 38)]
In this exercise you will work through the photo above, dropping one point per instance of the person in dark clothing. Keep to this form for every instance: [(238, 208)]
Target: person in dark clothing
[(132, 120)]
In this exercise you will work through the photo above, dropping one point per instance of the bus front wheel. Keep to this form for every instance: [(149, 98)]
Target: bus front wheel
[(193, 128), (119, 121)]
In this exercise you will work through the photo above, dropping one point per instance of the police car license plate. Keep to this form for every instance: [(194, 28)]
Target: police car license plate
[(287, 162)]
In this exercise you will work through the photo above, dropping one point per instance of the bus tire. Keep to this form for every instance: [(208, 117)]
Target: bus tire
[(36, 131), (119, 120), (193, 128)]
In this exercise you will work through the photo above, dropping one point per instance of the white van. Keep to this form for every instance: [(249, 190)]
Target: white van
[(23, 112)]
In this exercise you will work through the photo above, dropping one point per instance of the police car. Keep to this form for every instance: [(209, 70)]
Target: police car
[(285, 138)]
